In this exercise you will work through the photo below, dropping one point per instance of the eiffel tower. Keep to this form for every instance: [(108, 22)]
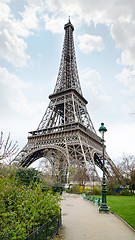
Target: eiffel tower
[(66, 135)]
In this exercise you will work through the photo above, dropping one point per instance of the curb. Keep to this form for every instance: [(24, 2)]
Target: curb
[(122, 220)]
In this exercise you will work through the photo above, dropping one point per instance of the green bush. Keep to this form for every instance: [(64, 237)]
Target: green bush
[(77, 188), (26, 175), (96, 191), (23, 209), (86, 190), (73, 189), (57, 187), (126, 192)]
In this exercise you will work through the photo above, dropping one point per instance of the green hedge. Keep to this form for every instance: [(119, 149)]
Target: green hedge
[(23, 209)]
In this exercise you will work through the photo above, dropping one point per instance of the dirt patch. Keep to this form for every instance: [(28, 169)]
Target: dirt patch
[(60, 234)]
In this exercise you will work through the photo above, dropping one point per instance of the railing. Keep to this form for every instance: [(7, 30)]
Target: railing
[(47, 231), (65, 127), (54, 129)]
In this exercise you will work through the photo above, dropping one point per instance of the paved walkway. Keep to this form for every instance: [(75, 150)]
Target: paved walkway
[(82, 221)]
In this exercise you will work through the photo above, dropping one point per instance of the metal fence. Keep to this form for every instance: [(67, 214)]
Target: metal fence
[(47, 231)]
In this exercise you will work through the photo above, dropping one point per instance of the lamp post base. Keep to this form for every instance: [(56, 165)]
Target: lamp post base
[(104, 208)]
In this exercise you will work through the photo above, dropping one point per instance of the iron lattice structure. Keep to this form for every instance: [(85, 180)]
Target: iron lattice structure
[(66, 135)]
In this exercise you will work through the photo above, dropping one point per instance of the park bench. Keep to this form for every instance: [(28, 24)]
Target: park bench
[(95, 200)]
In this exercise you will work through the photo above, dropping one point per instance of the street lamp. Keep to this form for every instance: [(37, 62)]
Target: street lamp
[(103, 207)]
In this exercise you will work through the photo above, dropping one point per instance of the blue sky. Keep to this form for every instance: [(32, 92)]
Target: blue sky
[(32, 34)]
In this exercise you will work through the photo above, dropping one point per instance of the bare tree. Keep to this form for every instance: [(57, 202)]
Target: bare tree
[(7, 149), (133, 180), (127, 169), (78, 174)]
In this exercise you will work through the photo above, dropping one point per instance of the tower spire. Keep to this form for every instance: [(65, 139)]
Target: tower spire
[(68, 74)]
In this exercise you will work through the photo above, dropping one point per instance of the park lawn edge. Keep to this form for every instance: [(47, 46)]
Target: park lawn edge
[(123, 221), (118, 212)]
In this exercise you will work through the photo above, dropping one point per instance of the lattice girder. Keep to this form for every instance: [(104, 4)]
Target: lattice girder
[(75, 149), (66, 136), (66, 109)]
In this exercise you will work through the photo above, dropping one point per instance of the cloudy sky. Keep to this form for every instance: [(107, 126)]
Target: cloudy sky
[(31, 39)]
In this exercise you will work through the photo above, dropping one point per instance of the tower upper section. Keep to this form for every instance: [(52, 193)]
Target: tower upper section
[(67, 107), (68, 75)]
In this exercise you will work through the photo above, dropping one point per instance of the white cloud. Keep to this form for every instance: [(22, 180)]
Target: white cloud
[(31, 16), (118, 16), (5, 1), (39, 3), (120, 139), (65, 8), (127, 77), (13, 96), (129, 109), (55, 25), (12, 47), (19, 114), (4, 11), (13, 31), (88, 43), (93, 89), (122, 32)]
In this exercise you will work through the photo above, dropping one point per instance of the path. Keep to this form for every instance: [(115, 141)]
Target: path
[(82, 221)]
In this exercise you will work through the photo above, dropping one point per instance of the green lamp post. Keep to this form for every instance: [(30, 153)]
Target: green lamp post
[(103, 207)]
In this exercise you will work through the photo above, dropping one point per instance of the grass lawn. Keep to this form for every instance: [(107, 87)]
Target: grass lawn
[(124, 206)]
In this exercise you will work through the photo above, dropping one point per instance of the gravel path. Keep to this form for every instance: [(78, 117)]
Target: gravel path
[(82, 221)]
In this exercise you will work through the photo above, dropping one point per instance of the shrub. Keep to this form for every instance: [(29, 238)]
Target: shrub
[(113, 186), (23, 209), (6, 170), (26, 175), (86, 190), (81, 189), (126, 192), (57, 187), (96, 191), (78, 189), (75, 188)]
